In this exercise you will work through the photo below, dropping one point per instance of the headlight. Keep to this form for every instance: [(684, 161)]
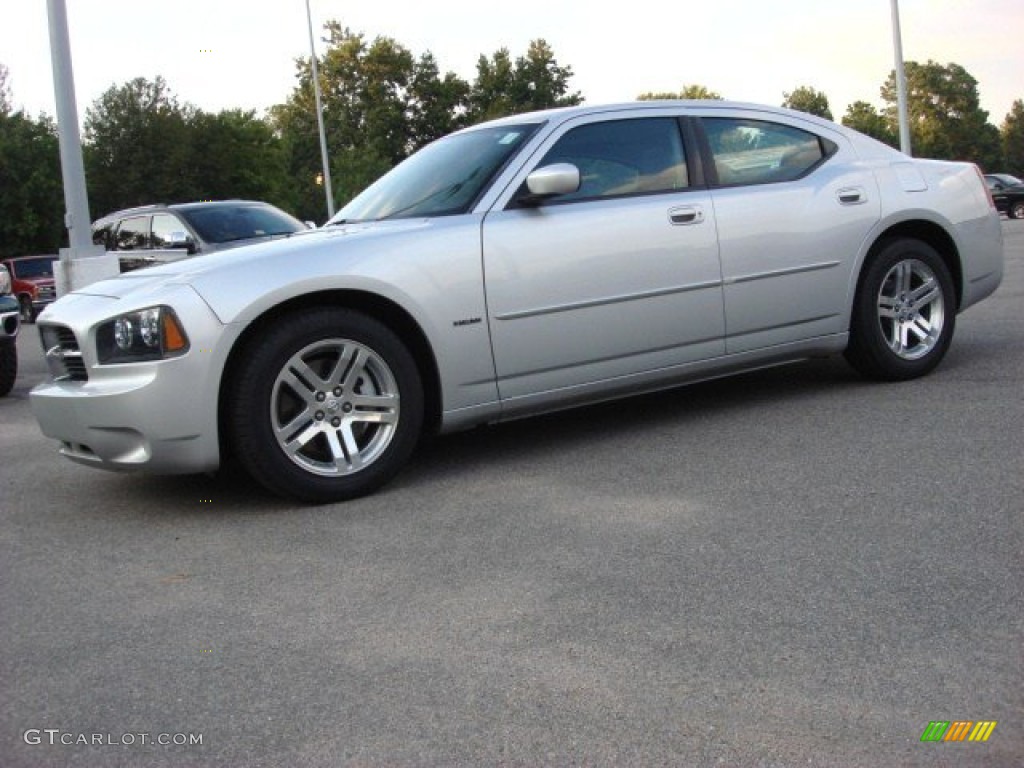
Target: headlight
[(149, 334)]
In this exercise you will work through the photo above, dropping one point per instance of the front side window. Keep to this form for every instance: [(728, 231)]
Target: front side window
[(758, 152), (133, 234), (443, 178), (623, 157), (169, 232)]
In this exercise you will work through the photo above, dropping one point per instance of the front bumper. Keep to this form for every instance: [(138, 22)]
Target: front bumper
[(159, 416)]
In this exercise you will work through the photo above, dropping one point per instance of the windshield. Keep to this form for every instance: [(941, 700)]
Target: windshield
[(443, 178), (30, 269), (227, 223)]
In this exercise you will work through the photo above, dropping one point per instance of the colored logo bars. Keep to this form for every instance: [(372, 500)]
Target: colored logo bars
[(958, 730)]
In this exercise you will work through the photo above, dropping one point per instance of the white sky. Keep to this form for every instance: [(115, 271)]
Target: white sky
[(220, 54)]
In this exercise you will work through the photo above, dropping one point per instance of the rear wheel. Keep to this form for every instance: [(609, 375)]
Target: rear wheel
[(1017, 210), (903, 314), (326, 406), (8, 365)]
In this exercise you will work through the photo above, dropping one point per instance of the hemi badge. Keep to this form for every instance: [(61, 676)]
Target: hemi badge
[(467, 321)]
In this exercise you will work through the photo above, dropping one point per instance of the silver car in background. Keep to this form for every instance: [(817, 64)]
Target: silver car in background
[(523, 265)]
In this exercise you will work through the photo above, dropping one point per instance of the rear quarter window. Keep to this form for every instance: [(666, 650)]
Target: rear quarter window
[(762, 152)]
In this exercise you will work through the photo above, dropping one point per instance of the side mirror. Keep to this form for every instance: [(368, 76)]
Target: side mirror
[(553, 180), (181, 239), (310, 224)]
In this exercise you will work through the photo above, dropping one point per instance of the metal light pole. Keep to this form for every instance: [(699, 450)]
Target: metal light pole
[(901, 80), (83, 262), (320, 118)]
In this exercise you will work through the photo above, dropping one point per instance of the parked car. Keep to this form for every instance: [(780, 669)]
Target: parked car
[(1008, 193), (32, 283), (10, 315), (157, 234), (523, 265)]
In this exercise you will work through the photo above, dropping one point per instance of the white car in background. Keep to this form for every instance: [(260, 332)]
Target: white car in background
[(532, 263)]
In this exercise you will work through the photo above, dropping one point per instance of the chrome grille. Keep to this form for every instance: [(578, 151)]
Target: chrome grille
[(47, 293), (63, 355)]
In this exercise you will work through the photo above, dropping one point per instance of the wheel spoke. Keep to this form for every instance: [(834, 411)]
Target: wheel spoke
[(379, 403), (921, 328), (904, 272), (354, 371), (301, 377), (924, 295), (897, 338), (287, 430), (355, 459), (887, 307), (338, 373), (299, 442), (341, 462)]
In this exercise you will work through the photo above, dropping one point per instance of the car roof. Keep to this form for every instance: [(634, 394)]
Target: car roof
[(690, 104), (155, 207)]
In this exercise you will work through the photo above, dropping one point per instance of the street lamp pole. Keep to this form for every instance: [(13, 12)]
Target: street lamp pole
[(320, 118), (901, 80), (82, 263)]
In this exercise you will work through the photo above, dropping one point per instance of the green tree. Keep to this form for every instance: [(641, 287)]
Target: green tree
[(535, 81), (946, 119), (237, 155), (863, 117), (698, 92), (31, 193), (380, 104), (1012, 134), (806, 99), (138, 147), (6, 105)]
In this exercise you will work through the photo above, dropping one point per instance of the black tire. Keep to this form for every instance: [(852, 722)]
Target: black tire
[(325, 405), (8, 365), (28, 314), (904, 312), (1017, 210)]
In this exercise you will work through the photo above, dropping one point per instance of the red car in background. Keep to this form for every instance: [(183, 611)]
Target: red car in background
[(32, 283)]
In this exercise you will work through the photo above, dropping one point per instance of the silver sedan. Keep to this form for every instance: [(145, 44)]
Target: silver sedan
[(523, 265)]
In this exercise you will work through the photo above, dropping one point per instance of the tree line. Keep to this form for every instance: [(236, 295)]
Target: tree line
[(381, 103)]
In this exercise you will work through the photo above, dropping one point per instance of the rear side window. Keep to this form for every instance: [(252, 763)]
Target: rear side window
[(623, 157), (133, 234), (758, 152)]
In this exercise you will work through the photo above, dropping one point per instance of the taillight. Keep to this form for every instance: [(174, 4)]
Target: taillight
[(984, 185)]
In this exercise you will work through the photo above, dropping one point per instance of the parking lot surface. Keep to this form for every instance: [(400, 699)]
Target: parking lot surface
[(793, 567)]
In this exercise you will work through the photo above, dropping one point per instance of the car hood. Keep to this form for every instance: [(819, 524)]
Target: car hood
[(213, 274)]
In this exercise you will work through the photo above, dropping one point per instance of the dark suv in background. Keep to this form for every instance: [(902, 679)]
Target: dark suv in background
[(9, 317), (32, 283), (1008, 194), (156, 234)]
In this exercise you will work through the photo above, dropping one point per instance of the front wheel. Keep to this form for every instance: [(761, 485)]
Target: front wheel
[(903, 314), (1017, 210), (326, 406)]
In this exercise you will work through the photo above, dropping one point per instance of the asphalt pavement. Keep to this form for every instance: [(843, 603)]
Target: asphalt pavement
[(793, 567)]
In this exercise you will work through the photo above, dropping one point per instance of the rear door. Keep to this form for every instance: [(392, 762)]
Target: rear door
[(793, 209)]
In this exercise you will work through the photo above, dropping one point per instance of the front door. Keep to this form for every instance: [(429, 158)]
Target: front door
[(618, 278)]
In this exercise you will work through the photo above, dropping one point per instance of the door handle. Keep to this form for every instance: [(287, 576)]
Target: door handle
[(852, 196), (686, 214)]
